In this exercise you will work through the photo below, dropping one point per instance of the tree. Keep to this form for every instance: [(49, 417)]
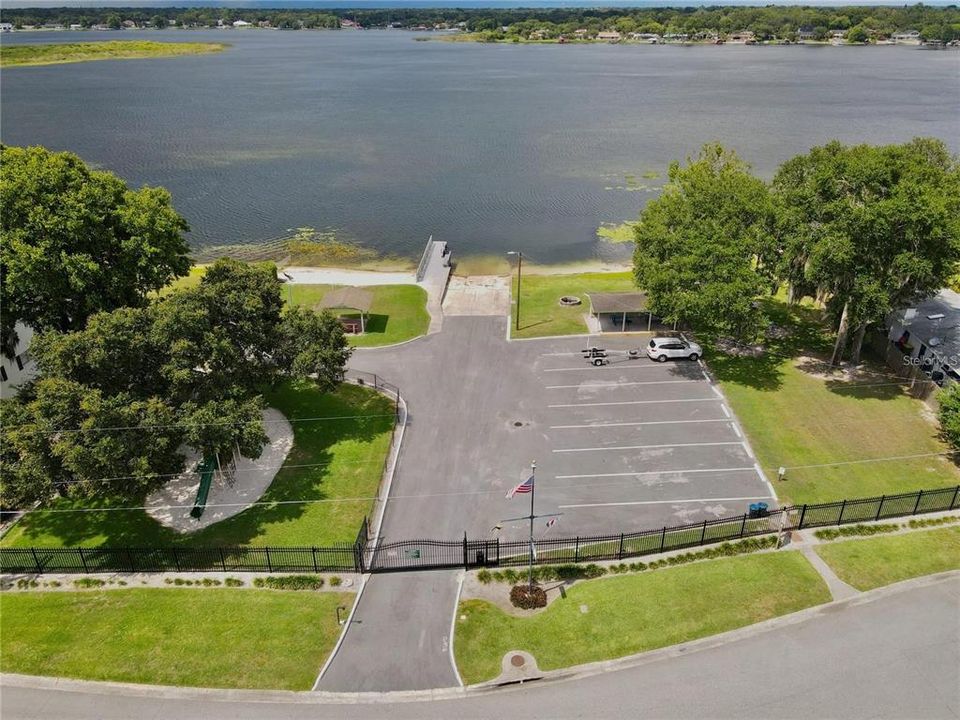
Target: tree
[(868, 229), (159, 22), (78, 241), (704, 248), (114, 21), (119, 398), (949, 415), (857, 34)]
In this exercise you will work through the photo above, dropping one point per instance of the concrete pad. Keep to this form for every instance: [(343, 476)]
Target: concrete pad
[(336, 276), (477, 295)]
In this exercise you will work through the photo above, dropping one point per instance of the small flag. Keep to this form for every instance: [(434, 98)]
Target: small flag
[(551, 522), (524, 487)]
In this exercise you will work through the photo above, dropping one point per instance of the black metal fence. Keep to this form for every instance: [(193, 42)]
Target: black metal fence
[(430, 554)]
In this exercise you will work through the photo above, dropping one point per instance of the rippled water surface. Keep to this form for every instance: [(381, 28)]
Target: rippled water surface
[(490, 147)]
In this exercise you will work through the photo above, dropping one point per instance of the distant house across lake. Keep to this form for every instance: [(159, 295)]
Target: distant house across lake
[(742, 37), (609, 35)]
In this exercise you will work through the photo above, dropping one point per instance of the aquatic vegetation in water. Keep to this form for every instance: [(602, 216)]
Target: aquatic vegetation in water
[(616, 233)]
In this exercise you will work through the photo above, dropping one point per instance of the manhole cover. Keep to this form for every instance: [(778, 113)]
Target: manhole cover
[(517, 423), (517, 661)]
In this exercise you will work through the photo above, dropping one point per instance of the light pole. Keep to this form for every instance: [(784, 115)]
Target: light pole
[(519, 269)]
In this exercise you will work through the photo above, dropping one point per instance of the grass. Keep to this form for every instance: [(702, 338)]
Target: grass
[(867, 564), (203, 638), (329, 461), (625, 614), (398, 312), (52, 54), (795, 417), (540, 311)]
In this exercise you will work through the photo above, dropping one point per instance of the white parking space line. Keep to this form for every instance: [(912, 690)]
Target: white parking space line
[(716, 392), (668, 502), (725, 411), (737, 430), (658, 472), (614, 366), (649, 447), (633, 424), (748, 450), (633, 402), (618, 384)]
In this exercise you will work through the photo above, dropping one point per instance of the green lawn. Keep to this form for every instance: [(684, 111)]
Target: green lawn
[(51, 54), (203, 638), (866, 564), (329, 460), (796, 418), (540, 311), (398, 313), (629, 614)]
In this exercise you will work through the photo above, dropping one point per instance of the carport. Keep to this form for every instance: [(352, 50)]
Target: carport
[(617, 306), (349, 298)]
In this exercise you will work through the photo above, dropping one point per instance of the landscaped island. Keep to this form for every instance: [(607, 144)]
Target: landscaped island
[(59, 53)]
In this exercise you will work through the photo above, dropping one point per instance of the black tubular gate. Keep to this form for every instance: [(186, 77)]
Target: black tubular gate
[(429, 554)]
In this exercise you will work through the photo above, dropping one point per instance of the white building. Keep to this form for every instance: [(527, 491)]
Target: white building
[(6, 27), (21, 368), (240, 24)]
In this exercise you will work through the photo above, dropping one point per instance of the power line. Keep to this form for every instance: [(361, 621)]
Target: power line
[(192, 425)]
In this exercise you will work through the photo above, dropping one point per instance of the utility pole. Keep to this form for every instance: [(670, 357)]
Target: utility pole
[(519, 273)]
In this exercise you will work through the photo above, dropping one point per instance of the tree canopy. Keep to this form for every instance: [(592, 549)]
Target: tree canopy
[(704, 248), (869, 228), (78, 241), (118, 399)]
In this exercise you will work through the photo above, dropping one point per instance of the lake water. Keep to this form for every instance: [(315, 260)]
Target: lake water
[(490, 147)]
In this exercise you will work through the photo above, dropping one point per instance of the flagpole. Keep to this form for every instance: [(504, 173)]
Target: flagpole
[(533, 490)]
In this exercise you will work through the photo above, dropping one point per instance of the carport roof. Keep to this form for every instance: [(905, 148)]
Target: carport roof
[(630, 302), (352, 298)]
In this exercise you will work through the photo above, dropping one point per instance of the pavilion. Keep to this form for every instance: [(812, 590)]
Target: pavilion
[(349, 298), (618, 306)]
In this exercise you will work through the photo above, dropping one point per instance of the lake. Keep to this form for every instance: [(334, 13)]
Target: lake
[(490, 147)]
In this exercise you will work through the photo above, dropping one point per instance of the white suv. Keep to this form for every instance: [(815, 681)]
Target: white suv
[(662, 349)]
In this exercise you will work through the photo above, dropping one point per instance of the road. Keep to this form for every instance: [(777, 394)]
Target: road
[(892, 653)]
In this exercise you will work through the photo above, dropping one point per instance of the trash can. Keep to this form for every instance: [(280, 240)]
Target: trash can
[(754, 511), (761, 509), (481, 559)]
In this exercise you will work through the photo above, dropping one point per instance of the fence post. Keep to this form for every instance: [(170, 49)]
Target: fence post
[(269, 565), (916, 505), (743, 525), (843, 506), (313, 551), (133, 567), (36, 560), (663, 537), (803, 511), (223, 563), (880, 507), (703, 533), (83, 560), (576, 550), (176, 558), (498, 551), (464, 550), (620, 552), (955, 494)]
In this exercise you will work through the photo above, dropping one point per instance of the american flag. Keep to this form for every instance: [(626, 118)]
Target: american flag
[(524, 487)]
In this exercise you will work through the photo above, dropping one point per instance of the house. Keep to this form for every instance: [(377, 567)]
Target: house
[(923, 341), (73, 26), (128, 24), (240, 24), (651, 38), (676, 37), (806, 32), (609, 35), (264, 24), (537, 35), (742, 37), (17, 370), (581, 33), (6, 27), (907, 37)]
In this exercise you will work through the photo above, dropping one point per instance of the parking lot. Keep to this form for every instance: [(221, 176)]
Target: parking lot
[(636, 444)]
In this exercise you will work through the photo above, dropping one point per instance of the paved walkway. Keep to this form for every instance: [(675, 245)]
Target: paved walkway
[(891, 653), (337, 276)]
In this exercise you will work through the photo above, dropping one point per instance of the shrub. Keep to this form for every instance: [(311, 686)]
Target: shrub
[(854, 530), (485, 576), (527, 598), (168, 581), (930, 522), (233, 582), (336, 581), (289, 582), (208, 582), (88, 583)]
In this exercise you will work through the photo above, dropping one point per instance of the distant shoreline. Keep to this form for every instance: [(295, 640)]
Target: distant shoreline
[(63, 53)]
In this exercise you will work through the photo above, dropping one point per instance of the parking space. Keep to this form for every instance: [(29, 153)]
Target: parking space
[(635, 444)]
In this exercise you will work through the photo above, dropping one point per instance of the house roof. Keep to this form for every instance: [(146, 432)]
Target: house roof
[(617, 302), (348, 298), (937, 317)]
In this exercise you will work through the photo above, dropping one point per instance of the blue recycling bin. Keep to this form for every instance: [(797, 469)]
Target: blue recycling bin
[(761, 509), (754, 510)]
